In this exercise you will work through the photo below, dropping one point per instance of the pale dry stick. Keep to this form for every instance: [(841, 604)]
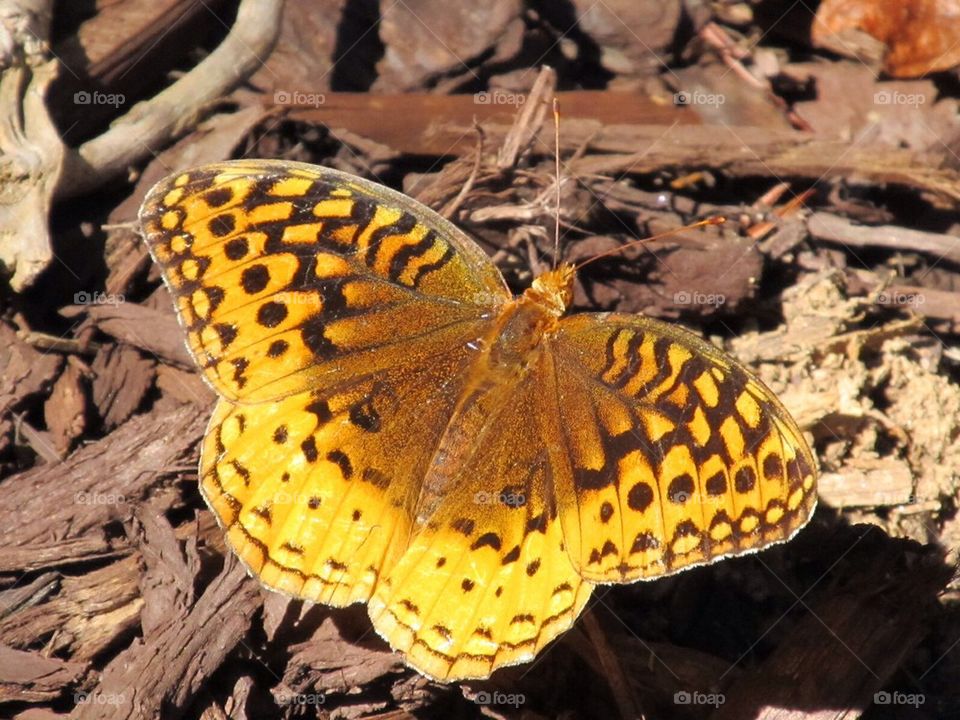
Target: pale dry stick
[(556, 173), (732, 56), (833, 228), (525, 129), (153, 123), (454, 204)]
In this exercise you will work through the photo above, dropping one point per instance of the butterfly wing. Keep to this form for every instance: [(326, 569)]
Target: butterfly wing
[(287, 274), (676, 455), (336, 319), (486, 580), (316, 491)]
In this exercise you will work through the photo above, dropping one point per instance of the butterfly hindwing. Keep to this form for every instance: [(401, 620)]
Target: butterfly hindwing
[(317, 491), (486, 581), (676, 454)]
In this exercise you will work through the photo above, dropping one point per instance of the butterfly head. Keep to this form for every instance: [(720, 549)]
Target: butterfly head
[(553, 290)]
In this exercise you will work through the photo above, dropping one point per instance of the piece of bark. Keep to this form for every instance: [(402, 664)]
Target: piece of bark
[(184, 386), (31, 677), (878, 483), (427, 39), (632, 35), (705, 274), (418, 119), (20, 597), (89, 613), (156, 333), (335, 661), (109, 46), (721, 97), (163, 674), (56, 515), (854, 633), (314, 35), (171, 570), (121, 379)]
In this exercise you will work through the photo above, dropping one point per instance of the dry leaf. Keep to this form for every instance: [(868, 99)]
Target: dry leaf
[(922, 36)]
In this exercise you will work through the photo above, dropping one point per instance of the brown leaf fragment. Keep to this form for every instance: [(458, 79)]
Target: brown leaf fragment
[(921, 36), (24, 371), (65, 409)]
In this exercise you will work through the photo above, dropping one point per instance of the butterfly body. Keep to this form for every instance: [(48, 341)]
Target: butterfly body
[(395, 428)]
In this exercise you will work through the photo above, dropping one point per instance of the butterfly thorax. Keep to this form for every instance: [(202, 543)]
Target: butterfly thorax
[(506, 355), (553, 290)]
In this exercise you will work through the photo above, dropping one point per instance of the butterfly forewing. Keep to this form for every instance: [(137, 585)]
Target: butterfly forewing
[(284, 273), (675, 454)]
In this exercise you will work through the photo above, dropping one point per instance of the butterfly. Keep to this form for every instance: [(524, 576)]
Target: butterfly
[(395, 428)]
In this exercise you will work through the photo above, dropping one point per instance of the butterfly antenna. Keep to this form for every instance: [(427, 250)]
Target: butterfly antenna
[(556, 172), (715, 220)]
